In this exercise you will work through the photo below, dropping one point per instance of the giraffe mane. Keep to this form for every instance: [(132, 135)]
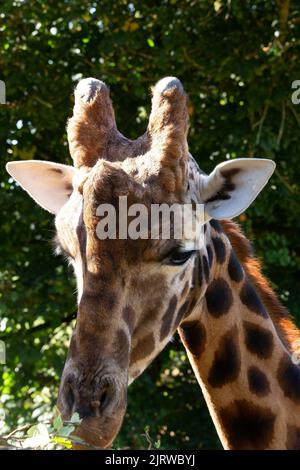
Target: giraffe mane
[(280, 316)]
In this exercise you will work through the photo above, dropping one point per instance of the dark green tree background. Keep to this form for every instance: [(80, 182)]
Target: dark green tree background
[(237, 60)]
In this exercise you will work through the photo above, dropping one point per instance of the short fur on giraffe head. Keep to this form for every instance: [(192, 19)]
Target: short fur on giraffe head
[(132, 294)]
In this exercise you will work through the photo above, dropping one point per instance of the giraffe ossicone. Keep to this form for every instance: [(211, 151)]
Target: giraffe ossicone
[(135, 292), (87, 89)]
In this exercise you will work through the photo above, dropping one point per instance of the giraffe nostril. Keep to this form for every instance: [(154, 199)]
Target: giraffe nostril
[(70, 397), (104, 399), (88, 400)]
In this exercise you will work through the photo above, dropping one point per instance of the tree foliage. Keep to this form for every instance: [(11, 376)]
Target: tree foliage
[(237, 61)]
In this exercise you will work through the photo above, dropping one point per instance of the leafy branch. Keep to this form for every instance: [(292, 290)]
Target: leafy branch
[(40, 327), (57, 434)]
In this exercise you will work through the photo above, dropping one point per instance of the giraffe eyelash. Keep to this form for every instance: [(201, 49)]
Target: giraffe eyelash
[(179, 255)]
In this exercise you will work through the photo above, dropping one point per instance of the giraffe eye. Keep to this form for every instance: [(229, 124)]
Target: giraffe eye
[(178, 257)]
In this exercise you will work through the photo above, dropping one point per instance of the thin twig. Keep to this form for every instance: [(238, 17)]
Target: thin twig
[(42, 326), (294, 112), (260, 123), (290, 45), (191, 60), (21, 428), (43, 102), (284, 7), (148, 439), (286, 184), (282, 123)]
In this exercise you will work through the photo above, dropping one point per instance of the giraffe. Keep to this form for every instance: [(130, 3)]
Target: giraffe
[(134, 294)]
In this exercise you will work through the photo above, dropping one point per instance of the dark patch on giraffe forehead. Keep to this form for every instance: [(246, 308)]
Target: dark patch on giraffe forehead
[(130, 250), (193, 335), (219, 297), (248, 426), (56, 170), (109, 180), (293, 438), (227, 360), (258, 382), (251, 299), (106, 182), (235, 269), (288, 376), (258, 340), (105, 185)]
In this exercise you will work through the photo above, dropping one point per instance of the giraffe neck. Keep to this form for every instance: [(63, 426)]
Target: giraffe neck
[(246, 372)]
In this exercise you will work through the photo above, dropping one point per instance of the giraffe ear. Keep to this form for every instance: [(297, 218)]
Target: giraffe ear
[(49, 184), (233, 185)]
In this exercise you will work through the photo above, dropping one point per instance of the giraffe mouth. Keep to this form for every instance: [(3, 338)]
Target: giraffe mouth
[(101, 405), (96, 433), (99, 431)]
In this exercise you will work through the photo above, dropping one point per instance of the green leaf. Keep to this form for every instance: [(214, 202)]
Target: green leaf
[(65, 431), (58, 423), (75, 418), (38, 437), (150, 42), (37, 430)]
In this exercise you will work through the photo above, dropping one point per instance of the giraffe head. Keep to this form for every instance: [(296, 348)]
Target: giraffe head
[(132, 293)]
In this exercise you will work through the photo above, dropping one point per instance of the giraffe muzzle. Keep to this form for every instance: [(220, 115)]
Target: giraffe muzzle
[(101, 404)]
